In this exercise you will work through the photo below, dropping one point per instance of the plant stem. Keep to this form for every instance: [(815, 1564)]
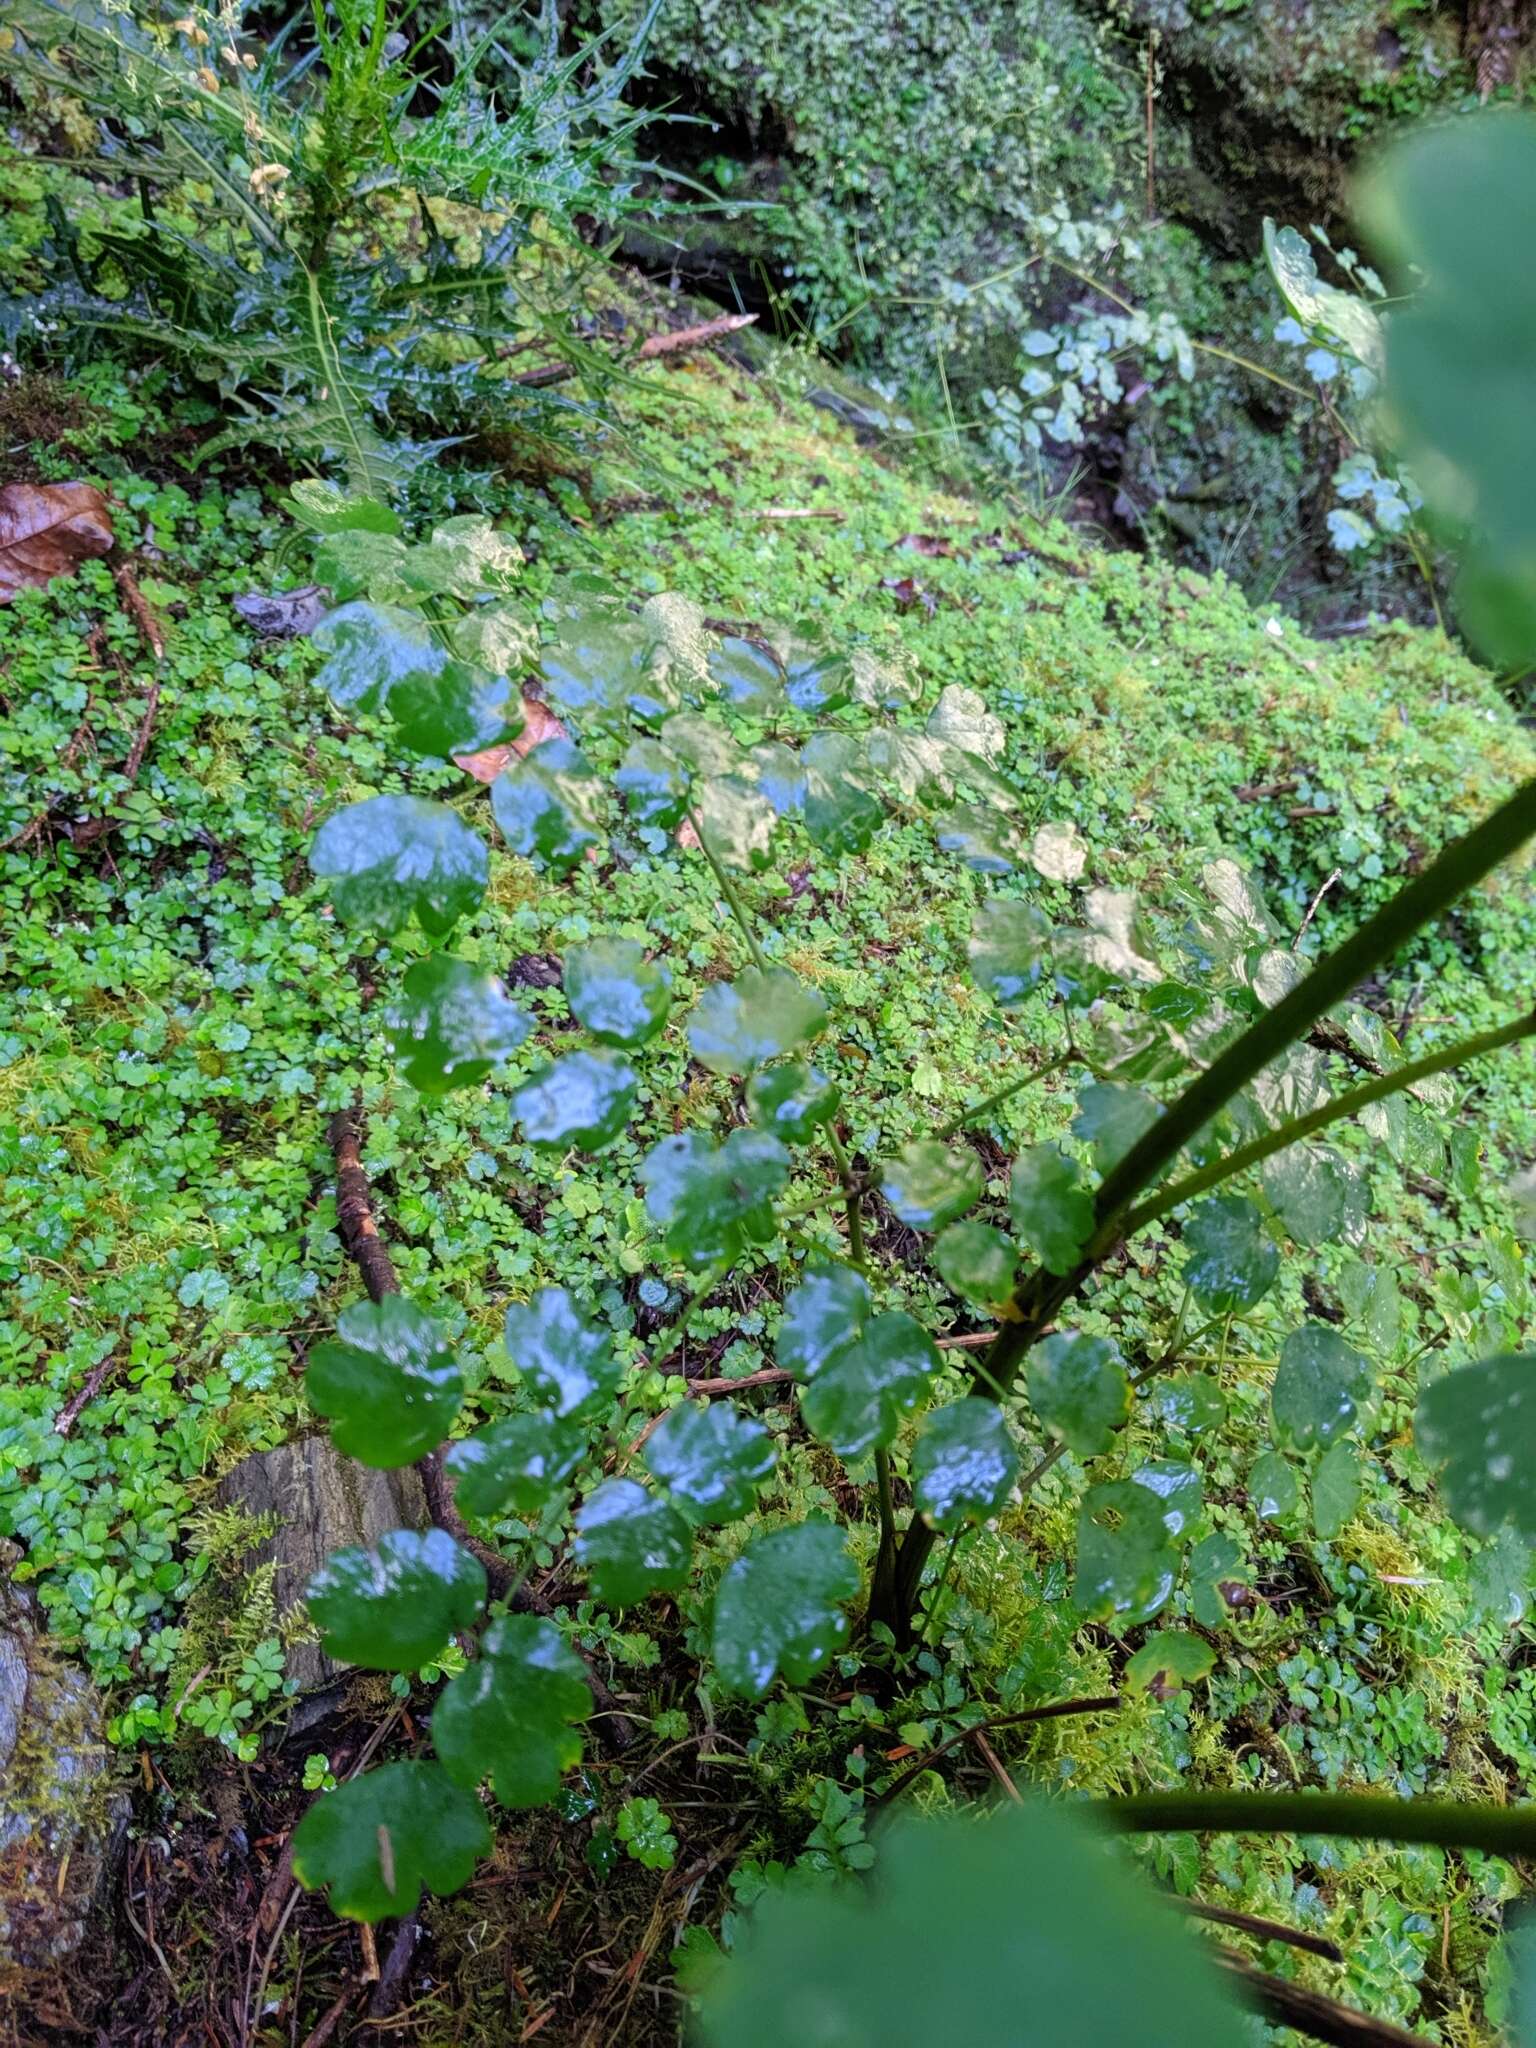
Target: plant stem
[(1443, 1823), (936, 1598), (1005, 1093), (734, 903), (884, 1576), (850, 1185)]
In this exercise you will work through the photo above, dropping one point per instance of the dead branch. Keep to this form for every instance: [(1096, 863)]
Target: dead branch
[(676, 341), (1311, 2012)]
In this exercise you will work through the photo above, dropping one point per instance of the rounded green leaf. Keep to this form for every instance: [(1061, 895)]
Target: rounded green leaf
[(858, 1394), (1319, 1386), (1177, 1485), (547, 804), (512, 1466), (1479, 1423), (358, 563), (1312, 1191), (792, 1101), (325, 507), (737, 1025), (1232, 1259), (712, 1201), (508, 1715), (1078, 1388), (1272, 1487), (1110, 1119), (653, 784), (748, 676), (978, 1262), (387, 1381), (595, 664), (451, 1024), (394, 857), (779, 1607), (1051, 1209), (1335, 1490), (1127, 1559), (735, 821), (500, 637), (929, 1183), (711, 1460), (395, 1607), (1169, 1661), (369, 648), (631, 1543), (567, 1362), (1190, 1401), (963, 1464), (461, 709), (842, 815), (830, 1306), (620, 996), (583, 1099), (379, 1838), (1010, 949)]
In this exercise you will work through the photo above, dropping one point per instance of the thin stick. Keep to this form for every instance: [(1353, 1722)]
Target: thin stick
[(1259, 1928), (1312, 2012), (1312, 909), (995, 1766), (1107, 1703)]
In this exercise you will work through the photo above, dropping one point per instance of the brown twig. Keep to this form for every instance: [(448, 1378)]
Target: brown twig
[(137, 609), (676, 341), (1106, 1703), (354, 1209), (1313, 2013), (1260, 1928), (69, 1414), (331, 2018), (397, 1964)]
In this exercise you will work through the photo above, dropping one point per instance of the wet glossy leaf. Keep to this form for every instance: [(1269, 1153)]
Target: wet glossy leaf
[(547, 804), (748, 676), (1232, 1259), (325, 508), (735, 821), (47, 531), (1190, 1401), (1169, 1661), (1177, 1485), (500, 637), (451, 1024), (779, 1607), (779, 776), (980, 1935), (711, 1460), (1052, 1211), (1110, 1119), (394, 1607), (929, 1183), (631, 1543), (1220, 1580), (978, 1262), (963, 719), (359, 564), (963, 1464), (1078, 1388), (565, 1360), (378, 1839), (1272, 1487), (369, 649), (653, 784), (830, 1305), (467, 556), (1010, 949), (818, 681), (595, 665), (462, 709), (508, 1715), (1057, 853), (738, 1025), (1479, 1422), (515, 1465), (1309, 1187), (792, 1101), (712, 1201), (1127, 1560), (982, 838), (621, 997), (394, 857), (1343, 315), (1335, 1490), (388, 1382), (1320, 1384), (583, 1099), (855, 1398), (842, 814)]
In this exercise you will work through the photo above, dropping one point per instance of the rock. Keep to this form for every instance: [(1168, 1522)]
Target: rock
[(320, 1502), (63, 1817)]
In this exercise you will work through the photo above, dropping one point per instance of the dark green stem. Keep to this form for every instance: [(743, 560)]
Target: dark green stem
[(1006, 1093), (1444, 1823), (850, 1185), (734, 903)]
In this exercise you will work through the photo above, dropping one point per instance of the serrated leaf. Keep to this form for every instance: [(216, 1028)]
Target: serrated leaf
[(631, 1543), (1335, 1490), (565, 1360), (964, 1464), (583, 1099), (1309, 1187), (653, 784), (1052, 1211), (792, 1101), (738, 1025), (1110, 1118), (547, 804), (325, 508), (1272, 1487), (929, 1183), (379, 1839), (1190, 1401), (855, 1398), (515, 1465), (830, 1305), (1009, 949), (1319, 1386), (508, 1715), (1078, 1388), (1479, 1423), (393, 1608), (711, 1460), (712, 1201), (621, 997), (451, 1024), (735, 821), (1127, 1560), (1232, 1260), (1167, 1662), (978, 1262), (387, 1381), (394, 857), (779, 1607)]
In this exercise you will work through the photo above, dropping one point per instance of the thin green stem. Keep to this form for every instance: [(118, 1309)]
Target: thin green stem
[(1445, 1823), (884, 1575), (850, 1186), (936, 1597), (1004, 1094), (734, 903)]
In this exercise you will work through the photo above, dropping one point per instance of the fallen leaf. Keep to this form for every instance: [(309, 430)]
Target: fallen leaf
[(539, 724), (925, 544), (285, 614), (908, 593), (48, 530)]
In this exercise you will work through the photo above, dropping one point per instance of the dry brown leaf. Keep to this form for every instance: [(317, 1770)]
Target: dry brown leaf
[(48, 530), (539, 724)]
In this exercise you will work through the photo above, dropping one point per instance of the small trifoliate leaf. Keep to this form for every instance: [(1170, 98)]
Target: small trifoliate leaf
[(1110, 1119), (1479, 1423), (653, 784), (1232, 1260), (830, 1305), (1078, 1388), (1319, 1386), (963, 1464), (711, 1460), (507, 1715), (1127, 1560), (1009, 949), (710, 1201), (621, 997), (547, 804), (779, 1607), (1169, 1661), (394, 857), (631, 1543), (393, 1608), (929, 1183), (583, 1099), (1335, 1490), (857, 1396), (1272, 1487), (451, 1024), (515, 1465), (377, 1840), (792, 1101), (1051, 1209), (738, 1025), (565, 1360), (978, 1262), (387, 1381)]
